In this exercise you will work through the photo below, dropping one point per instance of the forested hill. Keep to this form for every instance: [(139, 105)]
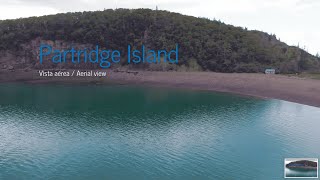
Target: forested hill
[(205, 44)]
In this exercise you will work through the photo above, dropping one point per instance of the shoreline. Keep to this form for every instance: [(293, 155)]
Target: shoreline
[(293, 89)]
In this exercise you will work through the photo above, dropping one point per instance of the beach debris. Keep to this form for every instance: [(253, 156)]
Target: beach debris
[(10, 67)]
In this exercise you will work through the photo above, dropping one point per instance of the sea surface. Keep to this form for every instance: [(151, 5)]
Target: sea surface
[(127, 132), (301, 173)]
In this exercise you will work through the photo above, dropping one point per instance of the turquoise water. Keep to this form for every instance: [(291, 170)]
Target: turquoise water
[(301, 172), (123, 132)]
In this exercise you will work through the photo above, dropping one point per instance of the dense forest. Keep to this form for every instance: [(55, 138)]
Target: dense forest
[(205, 45)]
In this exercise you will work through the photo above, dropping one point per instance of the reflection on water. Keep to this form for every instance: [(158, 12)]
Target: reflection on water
[(301, 172), (121, 132)]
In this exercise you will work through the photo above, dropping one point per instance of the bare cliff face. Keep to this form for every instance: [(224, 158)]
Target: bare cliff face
[(28, 56)]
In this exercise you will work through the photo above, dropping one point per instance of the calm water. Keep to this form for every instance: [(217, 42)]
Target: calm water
[(121, 132), (301, 172)]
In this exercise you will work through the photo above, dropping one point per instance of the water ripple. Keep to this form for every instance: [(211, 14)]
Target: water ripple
[(142, 133)]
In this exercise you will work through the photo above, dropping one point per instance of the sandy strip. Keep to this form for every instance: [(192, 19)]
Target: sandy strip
[(299, 90)]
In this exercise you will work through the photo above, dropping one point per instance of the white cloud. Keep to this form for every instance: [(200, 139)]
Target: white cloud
[(294, 21), (18, 11)]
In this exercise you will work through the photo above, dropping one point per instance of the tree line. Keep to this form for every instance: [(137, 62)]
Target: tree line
[(204, 44)]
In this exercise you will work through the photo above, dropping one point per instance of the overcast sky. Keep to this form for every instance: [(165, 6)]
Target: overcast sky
[(293, 21)]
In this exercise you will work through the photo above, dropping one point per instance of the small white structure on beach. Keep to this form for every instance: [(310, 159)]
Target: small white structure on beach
[(270, 71)]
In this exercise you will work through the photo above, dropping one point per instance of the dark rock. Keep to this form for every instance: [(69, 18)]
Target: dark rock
[(302, 164)]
